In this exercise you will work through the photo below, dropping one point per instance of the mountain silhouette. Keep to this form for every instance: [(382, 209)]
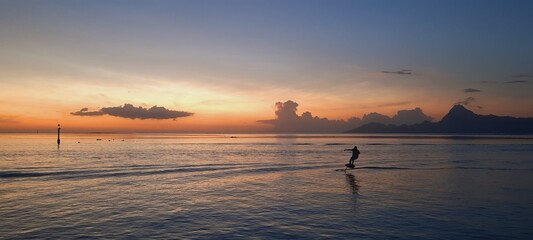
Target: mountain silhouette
[(459, 120)]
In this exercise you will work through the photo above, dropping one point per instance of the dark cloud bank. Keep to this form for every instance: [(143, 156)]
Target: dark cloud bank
[(399, 72), (471, 90), (522, 76), (132, 112), (517, 81), (288, 121)]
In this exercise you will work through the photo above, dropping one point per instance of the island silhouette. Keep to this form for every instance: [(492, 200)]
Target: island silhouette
[(459, 120)]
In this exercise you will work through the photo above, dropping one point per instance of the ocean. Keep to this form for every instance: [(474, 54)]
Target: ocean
[(266, 186)]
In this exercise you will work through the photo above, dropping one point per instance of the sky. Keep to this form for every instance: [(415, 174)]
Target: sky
[(226, 66)]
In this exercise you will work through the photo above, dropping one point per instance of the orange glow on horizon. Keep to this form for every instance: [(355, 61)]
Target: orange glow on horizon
[(116, 124), (197, 123)]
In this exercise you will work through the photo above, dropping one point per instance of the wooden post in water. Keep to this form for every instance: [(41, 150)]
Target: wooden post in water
[(58, 129)]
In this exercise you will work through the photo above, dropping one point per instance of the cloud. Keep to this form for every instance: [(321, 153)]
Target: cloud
[(465, 101), (471, 90), (400, 72), (402, 117), (86, 112), (376, 117), (522, 76), (517, 81), (286, 110), (410, 117), (288, 121), (131, 112)]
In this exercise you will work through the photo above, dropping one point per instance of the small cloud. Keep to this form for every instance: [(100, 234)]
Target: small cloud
[(399, 72), (471, 90), (517, 81), (489, 82), (132, 112), (465, 101), (522, 76)]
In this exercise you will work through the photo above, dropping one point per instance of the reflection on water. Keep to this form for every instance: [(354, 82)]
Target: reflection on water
[(167, 186), (352, 183), (353, 188), (58, 155)]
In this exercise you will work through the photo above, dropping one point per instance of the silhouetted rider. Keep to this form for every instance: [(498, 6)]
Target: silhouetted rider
[(355, 154)]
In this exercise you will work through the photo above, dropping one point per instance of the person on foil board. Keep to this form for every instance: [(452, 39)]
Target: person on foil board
[(355, 155)]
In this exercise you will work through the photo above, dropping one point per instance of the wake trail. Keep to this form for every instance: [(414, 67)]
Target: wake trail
[(436, 168)]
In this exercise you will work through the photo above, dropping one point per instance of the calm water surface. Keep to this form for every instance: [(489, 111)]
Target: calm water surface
[(265, 186)]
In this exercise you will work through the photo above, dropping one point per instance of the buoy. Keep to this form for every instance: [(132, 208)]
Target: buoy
[(58, 130)]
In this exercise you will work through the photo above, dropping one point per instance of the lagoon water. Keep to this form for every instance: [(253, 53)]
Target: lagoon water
[(265, 186)]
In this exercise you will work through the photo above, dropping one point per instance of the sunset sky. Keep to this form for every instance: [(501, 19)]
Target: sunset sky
[(221, 66)]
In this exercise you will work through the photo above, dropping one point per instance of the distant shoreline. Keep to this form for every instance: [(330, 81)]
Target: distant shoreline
[(292, 135)]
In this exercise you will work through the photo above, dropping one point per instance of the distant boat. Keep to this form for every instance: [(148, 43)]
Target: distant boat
[(98, 139)]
